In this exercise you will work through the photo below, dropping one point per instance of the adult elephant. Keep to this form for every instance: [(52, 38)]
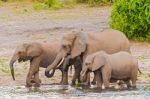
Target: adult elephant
[(77, 44), (40, 55)]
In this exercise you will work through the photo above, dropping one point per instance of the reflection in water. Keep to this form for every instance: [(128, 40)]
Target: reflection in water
[(59, 92)]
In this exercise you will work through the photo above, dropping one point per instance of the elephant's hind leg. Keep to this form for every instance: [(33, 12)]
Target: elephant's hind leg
[(134, 77), (128, 83)]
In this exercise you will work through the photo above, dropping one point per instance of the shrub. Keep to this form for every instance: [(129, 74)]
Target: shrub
[(132, 17)]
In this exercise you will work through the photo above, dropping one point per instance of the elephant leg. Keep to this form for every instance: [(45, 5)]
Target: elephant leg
[(37, 80), (94, 80), (28, 79), (133, 82), (128, 83), (64, 79), (32, 79), (134, 78), (105, 77), (88, 78), (34, 67), (76, 75), (98, 79)]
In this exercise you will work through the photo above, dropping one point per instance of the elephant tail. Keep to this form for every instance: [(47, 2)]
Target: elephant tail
[(138, 68)]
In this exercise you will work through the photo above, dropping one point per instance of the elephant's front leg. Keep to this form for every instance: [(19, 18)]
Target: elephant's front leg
[(94, 80), (106, 77), (34, 68), (64, 79), (37, 80), (76, 75), (98, 79)]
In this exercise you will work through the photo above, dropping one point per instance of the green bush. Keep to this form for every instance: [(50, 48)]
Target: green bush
[(133, 18)]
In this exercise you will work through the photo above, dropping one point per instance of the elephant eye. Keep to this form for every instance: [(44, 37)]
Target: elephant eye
[(19, 52), (64, 46), (87, 64)]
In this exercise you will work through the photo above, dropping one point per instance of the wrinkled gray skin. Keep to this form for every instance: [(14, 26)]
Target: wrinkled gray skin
[(111, 67), (39, 55), (78, 44)]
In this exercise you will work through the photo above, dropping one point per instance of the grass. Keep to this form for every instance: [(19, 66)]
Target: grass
[(4, 67), (148, 75), (22, 11), (147, 88), (1, 3)]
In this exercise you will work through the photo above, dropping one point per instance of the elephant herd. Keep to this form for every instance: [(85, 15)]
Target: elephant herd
[(106, 54)]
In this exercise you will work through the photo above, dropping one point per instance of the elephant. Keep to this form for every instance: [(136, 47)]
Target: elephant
[(80, 44), (111, 67), (40, 54)]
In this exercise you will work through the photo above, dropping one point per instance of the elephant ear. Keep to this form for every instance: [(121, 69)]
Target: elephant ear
[(79, 44), (98, 62), (34, 49)]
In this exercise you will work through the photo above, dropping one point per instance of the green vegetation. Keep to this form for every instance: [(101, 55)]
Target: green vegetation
[(133, 18), (4, 67), (54, 4), (46, 4), (78, 85), (147, 88), (57, 4)]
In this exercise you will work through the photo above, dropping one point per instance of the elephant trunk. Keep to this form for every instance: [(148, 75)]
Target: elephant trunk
[(49, 75), (12, 61), (53, 66)]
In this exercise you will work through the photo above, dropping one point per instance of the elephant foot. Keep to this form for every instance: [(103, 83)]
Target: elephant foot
[(64, 83), (34, 81), (79, 81), (129, 86), (73, 83), (28, 85), (132, 87), (93, 82), (97, 89), (36, 85)]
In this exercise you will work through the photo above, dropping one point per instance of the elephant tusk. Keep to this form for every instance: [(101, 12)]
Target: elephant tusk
[(83, 73), (60, 62)]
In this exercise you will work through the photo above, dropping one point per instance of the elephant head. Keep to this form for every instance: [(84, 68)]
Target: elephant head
[(24, 52), (72, 45), (93, 62)]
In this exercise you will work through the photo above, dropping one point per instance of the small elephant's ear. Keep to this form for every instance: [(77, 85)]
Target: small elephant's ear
[(79, 44), (98, 62), (34, 49)]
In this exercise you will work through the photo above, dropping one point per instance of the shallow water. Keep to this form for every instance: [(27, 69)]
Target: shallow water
[(65, 92)]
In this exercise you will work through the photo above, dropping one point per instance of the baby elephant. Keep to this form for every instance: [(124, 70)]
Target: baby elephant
[(111, 67)]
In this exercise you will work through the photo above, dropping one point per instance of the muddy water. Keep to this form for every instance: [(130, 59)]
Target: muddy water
[(65, 92)]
